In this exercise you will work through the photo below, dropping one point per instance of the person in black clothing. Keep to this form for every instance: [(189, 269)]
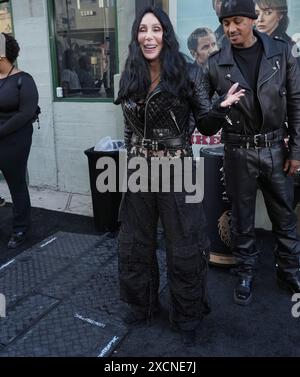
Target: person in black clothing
[(18, 104), (88, 83), (201, 43), (255, 152), (273, 19), (158, 93)]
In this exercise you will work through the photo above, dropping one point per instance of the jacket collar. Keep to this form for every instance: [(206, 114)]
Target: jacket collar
[(269, 45)]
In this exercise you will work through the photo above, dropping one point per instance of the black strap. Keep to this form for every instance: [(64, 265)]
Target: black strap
[(38, 110), (12, 68), (159, 144), (232, 138)]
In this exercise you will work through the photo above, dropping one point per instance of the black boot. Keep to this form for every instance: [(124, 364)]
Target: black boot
[(16, 240), (289, 283), (243, 291)]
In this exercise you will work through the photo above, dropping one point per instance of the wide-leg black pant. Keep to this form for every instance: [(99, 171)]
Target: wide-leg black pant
[(187, 249), (246, 170), (14, 152)]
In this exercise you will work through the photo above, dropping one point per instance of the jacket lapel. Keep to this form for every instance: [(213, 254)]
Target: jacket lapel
[(267, 66), (232, 73)]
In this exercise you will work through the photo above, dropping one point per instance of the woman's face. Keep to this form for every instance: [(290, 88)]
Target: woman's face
[(150, 37), (218, 4), (268, 19)]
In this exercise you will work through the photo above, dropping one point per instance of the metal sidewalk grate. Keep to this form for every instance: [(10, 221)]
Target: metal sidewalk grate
[(63, 298), (23, 316), (69, 332)]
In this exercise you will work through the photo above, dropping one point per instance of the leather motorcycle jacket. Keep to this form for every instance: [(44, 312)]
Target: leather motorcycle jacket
[(278, 90), (163, 119)]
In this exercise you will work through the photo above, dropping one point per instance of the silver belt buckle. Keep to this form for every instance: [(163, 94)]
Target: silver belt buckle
[(146, 143), (155, 145), (268, 143), (256, 140)]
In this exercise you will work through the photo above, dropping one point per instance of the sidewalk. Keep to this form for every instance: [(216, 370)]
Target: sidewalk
[(62, 296), (63, 300), (55, 200)]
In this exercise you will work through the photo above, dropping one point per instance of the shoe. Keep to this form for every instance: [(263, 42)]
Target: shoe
[(290, 284), (243, 291), (16, 240), (2, 202), (188, 337)]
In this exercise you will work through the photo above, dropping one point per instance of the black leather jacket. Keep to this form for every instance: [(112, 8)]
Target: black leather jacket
[(165, 117), (278, 90)]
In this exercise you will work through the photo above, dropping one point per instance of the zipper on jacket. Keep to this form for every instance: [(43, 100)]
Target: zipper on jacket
[(146, 107), (228, 120), (267, 79), (175, 121)]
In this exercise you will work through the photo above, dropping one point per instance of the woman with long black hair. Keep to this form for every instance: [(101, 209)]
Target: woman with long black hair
[(18, 105), (158, 93)]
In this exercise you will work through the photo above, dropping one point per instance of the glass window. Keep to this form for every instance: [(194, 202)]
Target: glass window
[(85, 42), (140, 4), (5, 17)]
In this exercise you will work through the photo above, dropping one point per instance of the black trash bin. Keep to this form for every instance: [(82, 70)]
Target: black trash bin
[(217, 206), (105, 205)]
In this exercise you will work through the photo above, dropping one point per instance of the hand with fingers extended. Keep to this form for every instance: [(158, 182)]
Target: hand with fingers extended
[(233, 97), (291, 167)]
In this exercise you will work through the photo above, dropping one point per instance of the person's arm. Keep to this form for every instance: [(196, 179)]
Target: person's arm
[(293, 112), (28, 102), (210, 117)]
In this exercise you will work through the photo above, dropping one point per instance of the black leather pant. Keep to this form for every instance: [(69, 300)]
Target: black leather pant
[(14, 152), (246, 170), (187, 255)]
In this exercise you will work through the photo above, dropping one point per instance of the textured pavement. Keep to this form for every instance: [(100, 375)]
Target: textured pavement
[(63, 300)]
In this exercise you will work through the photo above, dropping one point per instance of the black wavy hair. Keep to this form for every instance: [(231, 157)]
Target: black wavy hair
[(12, 48), (135, 80)]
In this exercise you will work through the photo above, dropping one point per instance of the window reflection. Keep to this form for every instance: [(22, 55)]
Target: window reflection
[(86, 45), (5, 18)]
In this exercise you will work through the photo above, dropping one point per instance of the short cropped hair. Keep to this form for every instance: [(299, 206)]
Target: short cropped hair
[(12, 48)]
